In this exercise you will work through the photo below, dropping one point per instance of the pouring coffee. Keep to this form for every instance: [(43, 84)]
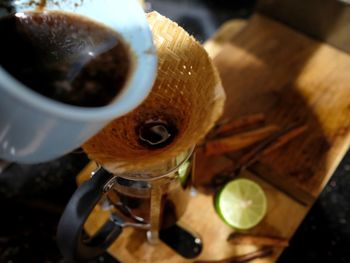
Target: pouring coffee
[(68, 68)]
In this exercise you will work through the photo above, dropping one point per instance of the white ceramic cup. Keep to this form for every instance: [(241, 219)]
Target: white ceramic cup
[(36, 129)]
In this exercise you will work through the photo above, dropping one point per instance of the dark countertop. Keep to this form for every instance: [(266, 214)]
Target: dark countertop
[(32, 198), (324, 235)]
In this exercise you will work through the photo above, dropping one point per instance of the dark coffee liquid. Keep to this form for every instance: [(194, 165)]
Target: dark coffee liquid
[(64, 57), (133, 200), (156, 134)]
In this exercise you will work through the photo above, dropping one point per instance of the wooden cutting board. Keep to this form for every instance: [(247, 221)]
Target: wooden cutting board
[(266, 68), (269, 68)]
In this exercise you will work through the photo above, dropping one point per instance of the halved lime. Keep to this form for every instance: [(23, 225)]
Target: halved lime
[(184, 172), (241, 203)]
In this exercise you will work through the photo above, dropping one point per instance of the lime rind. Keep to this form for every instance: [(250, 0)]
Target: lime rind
[(241, 203), (183, 172)]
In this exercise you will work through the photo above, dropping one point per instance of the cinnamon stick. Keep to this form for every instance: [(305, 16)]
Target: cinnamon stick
[(275, 142), (240, 123), (238, 141), (260, 253), (284, 139), (248, 239), (264, 148)]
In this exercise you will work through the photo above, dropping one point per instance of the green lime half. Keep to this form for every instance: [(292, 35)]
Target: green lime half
[(241, 203), (183, 172)]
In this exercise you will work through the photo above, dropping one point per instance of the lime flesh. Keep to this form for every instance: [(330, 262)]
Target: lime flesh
[(241, 203)]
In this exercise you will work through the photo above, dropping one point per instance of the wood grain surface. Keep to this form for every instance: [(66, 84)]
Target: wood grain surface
[(271, 69)]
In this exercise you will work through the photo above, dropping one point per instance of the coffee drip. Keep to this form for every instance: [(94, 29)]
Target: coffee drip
[(156, 134)]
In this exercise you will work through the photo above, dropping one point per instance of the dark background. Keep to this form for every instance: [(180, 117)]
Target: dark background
[(32, 198)]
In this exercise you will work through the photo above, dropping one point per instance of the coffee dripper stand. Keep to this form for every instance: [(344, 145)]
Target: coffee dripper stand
[(151, 200)]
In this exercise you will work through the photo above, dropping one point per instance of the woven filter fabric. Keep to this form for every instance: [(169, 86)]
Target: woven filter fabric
[(187, 93)]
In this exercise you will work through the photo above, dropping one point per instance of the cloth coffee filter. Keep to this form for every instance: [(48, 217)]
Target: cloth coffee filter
[(187, 93)]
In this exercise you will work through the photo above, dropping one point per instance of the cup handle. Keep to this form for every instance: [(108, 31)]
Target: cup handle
[(72, 240)]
